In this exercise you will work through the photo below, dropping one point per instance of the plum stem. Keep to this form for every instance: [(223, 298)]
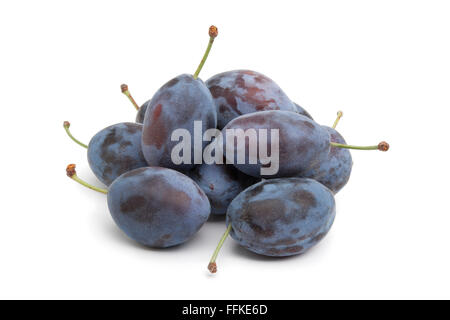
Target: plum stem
[(66, 127), (212, 35), (339, 116), (212, 266), (72, 173), (125, 91), (382, 146)]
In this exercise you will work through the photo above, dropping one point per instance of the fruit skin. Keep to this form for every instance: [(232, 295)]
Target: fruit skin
[(221, 184), (177, 104), (302, 111), (141, 112), (116, 150), (157, 207), (240, 92), (333, 172), (281, 217), (303, 144)]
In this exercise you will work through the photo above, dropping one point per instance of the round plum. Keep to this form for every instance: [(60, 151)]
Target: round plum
[(281, 217), (116, 150)]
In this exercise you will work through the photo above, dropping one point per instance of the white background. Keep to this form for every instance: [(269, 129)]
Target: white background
[(386, 64)]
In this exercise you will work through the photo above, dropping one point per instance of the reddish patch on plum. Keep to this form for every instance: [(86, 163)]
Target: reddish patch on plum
[(157, 112), (132, 204), (227, 94), (156, 133)]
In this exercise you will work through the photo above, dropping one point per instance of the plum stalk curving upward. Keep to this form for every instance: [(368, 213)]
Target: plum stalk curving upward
[(140, 110)]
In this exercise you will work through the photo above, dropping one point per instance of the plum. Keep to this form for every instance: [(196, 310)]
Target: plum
[(176, 105), (114, 150), (154, 206), (303, 145), (302, 142), (158, 207), (279, 217)]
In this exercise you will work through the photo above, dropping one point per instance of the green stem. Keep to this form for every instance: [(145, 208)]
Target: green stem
[(346, 146), (87, 185), (212, 267), (205, 56), (125, 91), (66, 127), (339, 116)]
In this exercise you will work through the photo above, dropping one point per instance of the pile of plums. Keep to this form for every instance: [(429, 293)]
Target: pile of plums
[(160, 202)]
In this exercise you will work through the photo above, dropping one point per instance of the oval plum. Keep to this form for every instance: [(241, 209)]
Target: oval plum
[(281, 217), (157, 207)]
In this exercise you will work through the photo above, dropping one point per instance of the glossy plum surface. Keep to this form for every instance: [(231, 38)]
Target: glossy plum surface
[(116, 150), (281, 217), (176, 105), (241, 92), (141, 112), (303, 144), (333, 172), (221, 184), (157, 207)]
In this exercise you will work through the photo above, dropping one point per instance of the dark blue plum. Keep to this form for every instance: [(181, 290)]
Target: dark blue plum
[(158, 207), (334, 171), (221, 184), (116, 150), (281, 217), (303, 144), (240, 92), (141, 112), (176, 105)]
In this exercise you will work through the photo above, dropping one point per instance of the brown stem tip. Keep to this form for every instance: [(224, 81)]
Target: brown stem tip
[(212, 267), (70, 170), (124, 88), (383, 146), (213, 31), (66, 124)]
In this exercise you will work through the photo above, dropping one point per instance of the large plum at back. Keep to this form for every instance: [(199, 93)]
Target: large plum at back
[(176, 105), (157, 207), (281, 217), (303, 144), (240, 92), (116, 150)]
